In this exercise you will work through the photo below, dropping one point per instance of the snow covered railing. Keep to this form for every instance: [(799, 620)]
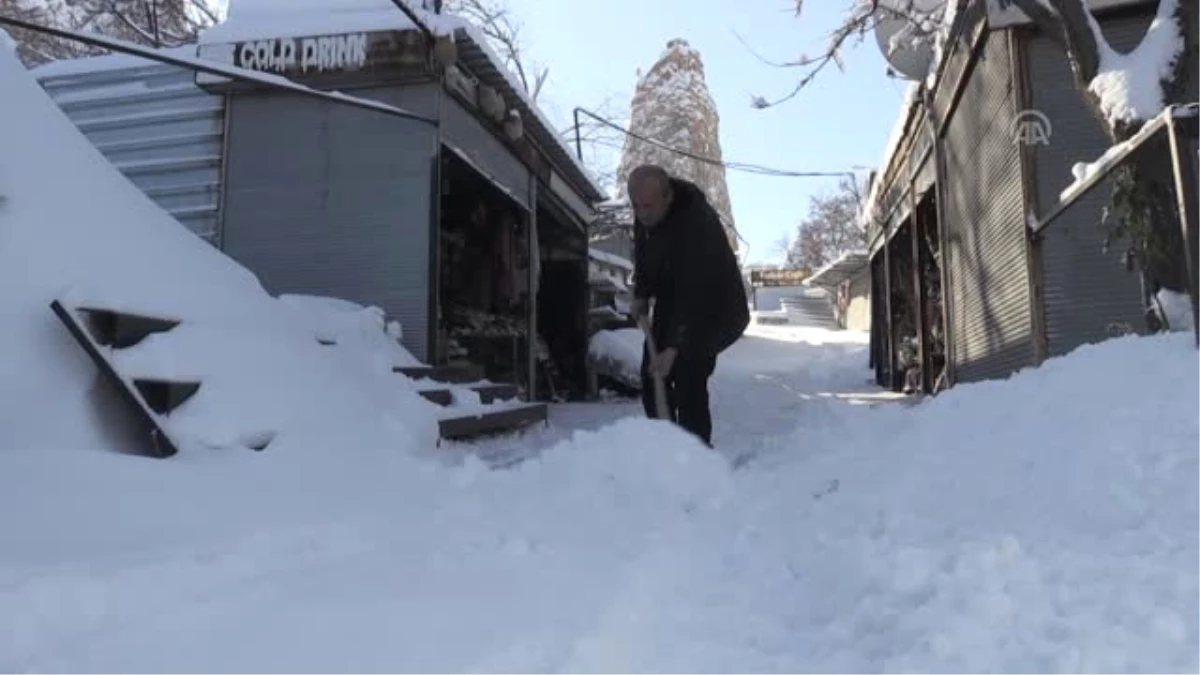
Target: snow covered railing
[(1175, 127)]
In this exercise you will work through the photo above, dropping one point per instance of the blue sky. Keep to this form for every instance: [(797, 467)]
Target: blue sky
[(839, 121)]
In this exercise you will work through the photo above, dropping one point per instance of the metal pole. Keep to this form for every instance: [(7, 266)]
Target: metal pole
[(940, 196), (533, 248), (578, 139), (402, 5), (915, 232), (1184, 168)]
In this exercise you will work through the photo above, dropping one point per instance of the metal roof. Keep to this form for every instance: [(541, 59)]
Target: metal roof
[(839, 270), (483, 66)]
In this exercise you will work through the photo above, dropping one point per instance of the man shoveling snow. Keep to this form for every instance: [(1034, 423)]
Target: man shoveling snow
[(682, 262)]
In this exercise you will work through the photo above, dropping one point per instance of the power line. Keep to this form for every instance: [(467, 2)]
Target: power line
[(734, 166)]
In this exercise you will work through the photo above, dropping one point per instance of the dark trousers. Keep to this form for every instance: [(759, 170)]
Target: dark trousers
[(687, 392)]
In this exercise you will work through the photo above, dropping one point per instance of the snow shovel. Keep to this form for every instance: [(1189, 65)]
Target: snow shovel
[(661, 411)]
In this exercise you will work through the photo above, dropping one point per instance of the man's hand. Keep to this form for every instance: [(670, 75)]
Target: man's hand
[(638, 309), (663, 362)]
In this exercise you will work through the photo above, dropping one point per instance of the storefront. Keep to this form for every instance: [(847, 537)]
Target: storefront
[(466, 223)]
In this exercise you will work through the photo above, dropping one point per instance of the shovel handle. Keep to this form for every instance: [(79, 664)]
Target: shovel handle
[(661, 410)]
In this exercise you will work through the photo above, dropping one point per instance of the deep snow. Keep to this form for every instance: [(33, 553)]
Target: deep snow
[(1047, 523), (1043, 523)]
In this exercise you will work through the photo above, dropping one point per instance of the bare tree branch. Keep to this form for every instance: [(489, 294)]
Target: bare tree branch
[(496, 23), (830, 229), (863, 17)]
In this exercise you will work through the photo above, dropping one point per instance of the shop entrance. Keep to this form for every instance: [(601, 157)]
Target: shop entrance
[(562, 296), (484, 303)]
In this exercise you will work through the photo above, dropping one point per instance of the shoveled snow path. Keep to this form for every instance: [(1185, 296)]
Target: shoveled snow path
[(775, 379)]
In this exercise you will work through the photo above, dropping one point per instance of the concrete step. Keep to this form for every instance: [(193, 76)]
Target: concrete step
[(492, 422)]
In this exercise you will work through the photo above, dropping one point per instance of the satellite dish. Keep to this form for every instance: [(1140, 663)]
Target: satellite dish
[(907, 59)]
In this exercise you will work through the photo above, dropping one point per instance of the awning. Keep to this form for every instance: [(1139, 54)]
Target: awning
[(839, 270)]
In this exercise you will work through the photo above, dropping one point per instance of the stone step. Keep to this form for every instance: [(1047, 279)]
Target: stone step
[(492, 422)]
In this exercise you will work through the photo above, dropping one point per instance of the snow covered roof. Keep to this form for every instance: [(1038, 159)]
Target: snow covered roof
[(908, 109), (266, 19), (96, 64), (261, 19), (834, 273)]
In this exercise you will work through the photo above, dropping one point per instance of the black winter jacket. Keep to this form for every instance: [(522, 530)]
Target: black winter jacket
[(686, 264)]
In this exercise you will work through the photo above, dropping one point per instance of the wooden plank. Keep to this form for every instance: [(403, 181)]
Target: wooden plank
[(161, 445), (492, 422), (1183, 130), (453, 374), (439, 396), (488, 393)]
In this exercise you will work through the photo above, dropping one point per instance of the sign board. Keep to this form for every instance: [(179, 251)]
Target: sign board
[(342, 55), (778, 277), (319, 54), (1005, 13)]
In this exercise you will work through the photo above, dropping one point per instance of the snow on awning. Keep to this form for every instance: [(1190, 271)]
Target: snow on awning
[(846, 266)]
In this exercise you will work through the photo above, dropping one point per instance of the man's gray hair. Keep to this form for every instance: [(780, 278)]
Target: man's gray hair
[(649, 172)]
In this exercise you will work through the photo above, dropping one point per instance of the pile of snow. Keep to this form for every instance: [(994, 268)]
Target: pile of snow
[(1045, 524), (352, 327), (75, 229), (1129, 85), (618, 353), (1175, 309)]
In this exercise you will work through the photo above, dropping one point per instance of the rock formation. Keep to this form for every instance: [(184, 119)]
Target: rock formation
[(672, 107)]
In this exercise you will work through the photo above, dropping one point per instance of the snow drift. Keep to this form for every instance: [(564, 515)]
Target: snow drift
[(74, 228)]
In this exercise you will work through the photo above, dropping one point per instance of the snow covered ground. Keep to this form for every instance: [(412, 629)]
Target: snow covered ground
[(1044, 523), (1047, 523)]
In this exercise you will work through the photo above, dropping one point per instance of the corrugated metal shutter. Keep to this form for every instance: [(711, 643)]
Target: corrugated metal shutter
[(159, 129), (467, 137), (989, 282), (326, 199), (1086, 293), (858, 314)]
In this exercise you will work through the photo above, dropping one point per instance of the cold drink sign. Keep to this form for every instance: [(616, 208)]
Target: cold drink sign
[(319, 54)]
